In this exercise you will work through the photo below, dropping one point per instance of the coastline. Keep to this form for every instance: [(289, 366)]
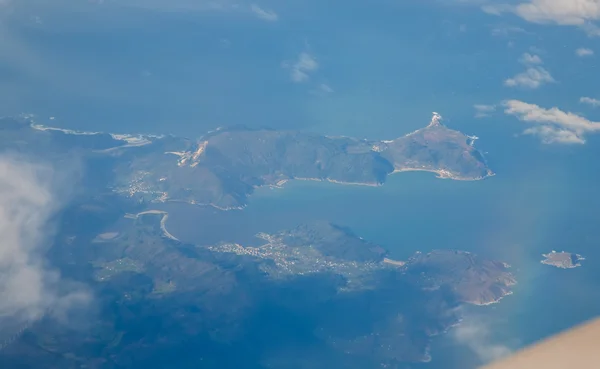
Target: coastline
[(163, 221), (280, 184), (393, 262), (443, 174), (497, 300), (568, 261)]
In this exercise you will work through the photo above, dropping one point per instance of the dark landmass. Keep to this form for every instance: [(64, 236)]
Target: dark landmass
[(564, 260), (223, 167), (318, 288)]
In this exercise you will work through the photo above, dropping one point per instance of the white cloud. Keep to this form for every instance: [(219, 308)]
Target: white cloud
[(300, 69), (590, 101), (529, 59), (533, 77), (563, 12), (28, 286), (264, 14), (552, 125), (482, 110), (580, 13), (582, 51), (549, 135), (475, 334)]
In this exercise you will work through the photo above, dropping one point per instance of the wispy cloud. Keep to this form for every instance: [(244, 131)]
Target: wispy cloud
[(582, 51), (496, 9), (530, 59), (503, 31), (475, 334), (590, 101), (533, 78), (268, 15), (482, 110), (322, 89), (301, 68), (28, 286), (552, 125)]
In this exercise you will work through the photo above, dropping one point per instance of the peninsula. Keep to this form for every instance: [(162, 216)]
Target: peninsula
[(322, 247), (223, 167)]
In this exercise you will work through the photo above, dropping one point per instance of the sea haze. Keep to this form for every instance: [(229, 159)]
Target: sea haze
[(123, 69)]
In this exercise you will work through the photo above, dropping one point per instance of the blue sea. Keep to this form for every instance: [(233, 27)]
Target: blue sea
[(543, 198)]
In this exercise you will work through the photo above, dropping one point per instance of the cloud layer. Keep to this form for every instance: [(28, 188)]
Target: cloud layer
[(552, 125), (29, 288)]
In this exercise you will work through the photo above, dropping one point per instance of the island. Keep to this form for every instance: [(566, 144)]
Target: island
[(223, 167), (564, 260)]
